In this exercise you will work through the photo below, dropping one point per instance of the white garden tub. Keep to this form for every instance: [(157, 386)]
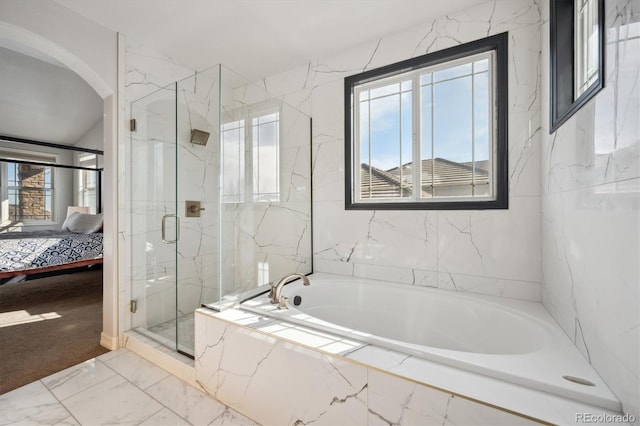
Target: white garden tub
[(512, 340)]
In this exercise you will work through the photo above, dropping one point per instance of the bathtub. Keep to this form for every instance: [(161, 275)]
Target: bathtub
[(511, 340)]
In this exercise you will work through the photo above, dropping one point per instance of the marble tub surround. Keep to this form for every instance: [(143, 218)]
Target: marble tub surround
[(118, 387), (591, 210), (241, 358)]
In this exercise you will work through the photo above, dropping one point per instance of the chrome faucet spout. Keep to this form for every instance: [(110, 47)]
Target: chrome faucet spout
[(274, 294)]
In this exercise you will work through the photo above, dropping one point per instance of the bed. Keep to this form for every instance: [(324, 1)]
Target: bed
[(24, 253)]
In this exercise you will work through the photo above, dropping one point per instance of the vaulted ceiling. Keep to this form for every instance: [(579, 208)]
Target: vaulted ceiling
[(42, 100)]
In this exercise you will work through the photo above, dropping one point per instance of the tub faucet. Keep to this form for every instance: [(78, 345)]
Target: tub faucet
[(274, 294)]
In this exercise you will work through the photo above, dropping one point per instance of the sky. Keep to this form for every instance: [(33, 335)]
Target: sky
[(391, 120)]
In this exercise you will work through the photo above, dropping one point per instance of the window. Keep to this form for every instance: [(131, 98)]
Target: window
[(586, 45), (87, 182), (430, 132), (233, 162), (577, 56), (30, 192), (266, 157), (261, 175)]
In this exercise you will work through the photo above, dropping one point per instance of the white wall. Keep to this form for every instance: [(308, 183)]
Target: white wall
[(490, 252), (591, 211), (92, 138)]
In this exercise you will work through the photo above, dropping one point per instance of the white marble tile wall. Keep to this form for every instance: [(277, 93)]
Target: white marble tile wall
[(591, 211), (198, 180), (489, 252), (264, 241)]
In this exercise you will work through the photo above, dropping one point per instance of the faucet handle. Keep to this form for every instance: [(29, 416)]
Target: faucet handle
[(283, 303)]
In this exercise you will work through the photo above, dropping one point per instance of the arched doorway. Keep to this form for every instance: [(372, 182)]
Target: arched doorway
[(108, 92)]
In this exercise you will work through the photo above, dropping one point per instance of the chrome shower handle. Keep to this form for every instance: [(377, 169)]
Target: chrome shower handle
[(164, 228)]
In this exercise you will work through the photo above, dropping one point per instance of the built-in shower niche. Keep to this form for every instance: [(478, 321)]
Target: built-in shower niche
[(252, 178)]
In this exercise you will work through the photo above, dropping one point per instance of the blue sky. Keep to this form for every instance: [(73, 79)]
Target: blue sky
[(452, 118)]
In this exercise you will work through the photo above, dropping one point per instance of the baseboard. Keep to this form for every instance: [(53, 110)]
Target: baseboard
[(108, 342)]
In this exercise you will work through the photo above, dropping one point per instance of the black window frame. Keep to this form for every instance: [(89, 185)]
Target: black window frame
[(497, 43), (562, 60)]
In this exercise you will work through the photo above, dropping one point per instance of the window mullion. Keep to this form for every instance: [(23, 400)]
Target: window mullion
[(416, 104), (433, 140), (473, 130), (369, 147)]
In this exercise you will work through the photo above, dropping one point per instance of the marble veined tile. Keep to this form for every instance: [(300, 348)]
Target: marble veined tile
[(396, 401), (32, 404), (112, 354), (77, 378), (137, 370), (165, 417), (69, 421), (232, 417), (193, 405), (255, 373), (465, 412), (125, 404)]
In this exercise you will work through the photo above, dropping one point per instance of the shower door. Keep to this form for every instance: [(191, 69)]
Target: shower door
[(155, 226)]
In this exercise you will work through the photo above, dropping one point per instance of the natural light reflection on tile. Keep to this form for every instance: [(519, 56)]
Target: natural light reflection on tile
[(7, 319)]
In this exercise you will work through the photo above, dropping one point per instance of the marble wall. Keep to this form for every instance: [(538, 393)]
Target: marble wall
[(265, 240), (591, 211), (245, 369), (489, 252), (198, 180)]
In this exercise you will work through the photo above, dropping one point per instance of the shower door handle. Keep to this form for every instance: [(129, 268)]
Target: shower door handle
[(164, 228)]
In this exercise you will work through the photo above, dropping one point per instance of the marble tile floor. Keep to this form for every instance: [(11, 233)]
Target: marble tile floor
[(117, 388)]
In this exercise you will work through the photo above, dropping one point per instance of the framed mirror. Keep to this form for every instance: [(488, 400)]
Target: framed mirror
[(577, 56)]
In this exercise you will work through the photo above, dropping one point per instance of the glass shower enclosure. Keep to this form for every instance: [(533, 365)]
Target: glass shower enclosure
[(220, 198)]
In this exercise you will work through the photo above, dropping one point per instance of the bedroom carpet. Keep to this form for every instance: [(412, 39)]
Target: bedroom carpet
[(47, 325)]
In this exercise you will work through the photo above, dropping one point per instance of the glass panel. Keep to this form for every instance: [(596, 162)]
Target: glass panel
[(257, 235), (153, 196), (385, 148), (30, 192), (201, 174), (268, 235), (233, 149), (481, 134), (266, 151), (481, 65), (452, 72), (389, 89), (453, 137), (586, 39)]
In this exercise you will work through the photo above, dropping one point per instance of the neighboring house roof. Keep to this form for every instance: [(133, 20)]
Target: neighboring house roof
[(446, 173), (377, 183)]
